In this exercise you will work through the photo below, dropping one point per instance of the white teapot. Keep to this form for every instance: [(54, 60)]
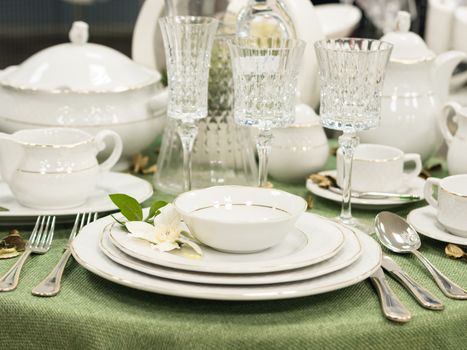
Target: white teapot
[(457, 154), (415, 89)]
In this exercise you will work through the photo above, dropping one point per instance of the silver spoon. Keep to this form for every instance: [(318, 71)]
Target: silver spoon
[(400, 237)]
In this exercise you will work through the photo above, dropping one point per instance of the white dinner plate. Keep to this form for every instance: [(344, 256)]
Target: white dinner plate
[(425, 222), (415, 188), (100, 202), (350, 252), (313, 240), (85, 249)]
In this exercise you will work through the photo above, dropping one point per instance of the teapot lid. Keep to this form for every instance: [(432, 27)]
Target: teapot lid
[(408, 46), (79, 67)]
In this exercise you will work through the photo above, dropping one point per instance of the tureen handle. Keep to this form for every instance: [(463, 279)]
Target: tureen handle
[(79, 33), (117, 148), (448, 110)]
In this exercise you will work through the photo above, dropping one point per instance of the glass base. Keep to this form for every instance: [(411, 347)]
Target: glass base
[(356, 224)]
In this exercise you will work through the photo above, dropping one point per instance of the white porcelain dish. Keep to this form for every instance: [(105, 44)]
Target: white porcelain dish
[(55, 168), (338, 20), (239, 219), (415, 188), (86, 86), (85, 249), (99, 202), (349, 253), (312, 241), (425, 222)]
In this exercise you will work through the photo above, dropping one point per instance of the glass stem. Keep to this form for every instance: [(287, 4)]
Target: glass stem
[(263, 146), (347, 142), (187, 131)]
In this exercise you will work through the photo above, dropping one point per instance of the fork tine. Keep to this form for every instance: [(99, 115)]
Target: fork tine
[(39, 232), (51, 233), (95, 217), (44, 234), (83, 218), (34, 232), (89, 218), (74, 230)]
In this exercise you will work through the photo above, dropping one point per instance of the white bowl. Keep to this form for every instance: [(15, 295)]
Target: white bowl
[(240, 219)]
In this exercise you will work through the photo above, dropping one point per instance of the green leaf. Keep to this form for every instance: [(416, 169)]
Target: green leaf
[(4, 209), (129, 206), (155, 206)]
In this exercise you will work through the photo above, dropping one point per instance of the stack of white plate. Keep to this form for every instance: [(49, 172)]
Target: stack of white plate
[(317, 256)]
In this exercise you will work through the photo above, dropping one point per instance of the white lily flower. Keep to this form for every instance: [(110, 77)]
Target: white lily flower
[(164, 234)]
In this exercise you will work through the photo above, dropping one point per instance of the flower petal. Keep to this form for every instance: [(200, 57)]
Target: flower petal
[(192, 244), (168, 216), (141, 229), (167, 246)]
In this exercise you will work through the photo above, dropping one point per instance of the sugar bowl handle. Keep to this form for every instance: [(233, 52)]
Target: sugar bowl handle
[(451, 108), (117, 148)]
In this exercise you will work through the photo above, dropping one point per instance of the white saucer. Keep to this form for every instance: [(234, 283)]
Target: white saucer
[(315, 239), (100, 202), (350, 252), (425, 222), (415, 188), (85, 249)]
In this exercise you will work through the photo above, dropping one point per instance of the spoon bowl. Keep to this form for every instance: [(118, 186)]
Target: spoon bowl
[(396, 234)]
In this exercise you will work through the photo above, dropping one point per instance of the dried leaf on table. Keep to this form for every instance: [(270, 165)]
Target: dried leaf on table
[(151, 170), (426, 172), (333, 151), (11, 245), (323, 181), (4, 209), (453, 251), (309, 201), (268, 185), (139, 162)]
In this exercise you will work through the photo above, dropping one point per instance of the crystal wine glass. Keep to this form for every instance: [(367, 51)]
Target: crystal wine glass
[(265, 72), (188, 43), (352, 76)]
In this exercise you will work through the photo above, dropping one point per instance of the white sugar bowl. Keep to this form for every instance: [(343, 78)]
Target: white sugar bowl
[(300, 149)]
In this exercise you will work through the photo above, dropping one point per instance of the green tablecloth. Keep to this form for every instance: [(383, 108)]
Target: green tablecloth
[(92, 313)]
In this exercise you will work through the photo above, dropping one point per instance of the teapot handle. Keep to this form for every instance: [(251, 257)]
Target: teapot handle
[(117, 148), (449, 109)]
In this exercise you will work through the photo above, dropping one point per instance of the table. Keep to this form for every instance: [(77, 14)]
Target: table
[(92, 313)]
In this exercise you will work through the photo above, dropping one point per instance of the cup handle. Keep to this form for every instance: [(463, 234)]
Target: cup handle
[(415, 158), (451, 108), (117, 148), (428, 191)]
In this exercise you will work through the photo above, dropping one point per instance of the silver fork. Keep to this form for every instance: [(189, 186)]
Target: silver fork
[(50, 286), (39, 243)]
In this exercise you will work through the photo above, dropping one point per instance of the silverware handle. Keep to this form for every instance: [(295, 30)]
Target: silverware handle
[(423, 296), (449, 288), (392, 308), (383, 195), (50, 286), (10, 280)]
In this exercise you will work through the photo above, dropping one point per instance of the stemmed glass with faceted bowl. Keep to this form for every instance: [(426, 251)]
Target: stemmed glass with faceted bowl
[(188, 44), (352, 75), (265, 72)]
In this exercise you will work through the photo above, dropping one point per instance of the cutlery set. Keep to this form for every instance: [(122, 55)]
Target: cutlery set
[(40, 242), (400, 237)]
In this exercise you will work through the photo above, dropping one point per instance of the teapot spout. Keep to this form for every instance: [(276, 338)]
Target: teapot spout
[(443, 68)]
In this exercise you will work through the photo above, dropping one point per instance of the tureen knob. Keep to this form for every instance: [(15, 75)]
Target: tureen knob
[(79, 33), (403, 21)]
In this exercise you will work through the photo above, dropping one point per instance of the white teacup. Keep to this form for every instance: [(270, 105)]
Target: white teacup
[(379, 168), (54, 168), (451, 203)]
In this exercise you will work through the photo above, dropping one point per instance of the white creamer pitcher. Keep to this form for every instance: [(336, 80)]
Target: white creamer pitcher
[(457, 153), (54, 168)]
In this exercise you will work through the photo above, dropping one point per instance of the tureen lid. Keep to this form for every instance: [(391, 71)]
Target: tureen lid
[(408, 46), (80, 67)]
